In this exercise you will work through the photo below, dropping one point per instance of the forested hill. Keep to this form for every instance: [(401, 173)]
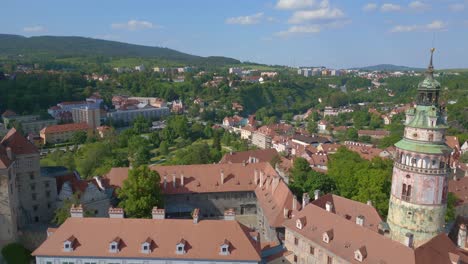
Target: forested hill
[(62, 47), (388, 67)]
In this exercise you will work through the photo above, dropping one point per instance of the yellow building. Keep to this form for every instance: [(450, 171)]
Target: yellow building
[(62, 133)]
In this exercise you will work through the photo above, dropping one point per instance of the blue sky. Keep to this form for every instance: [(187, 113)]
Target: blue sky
[(334, 33)]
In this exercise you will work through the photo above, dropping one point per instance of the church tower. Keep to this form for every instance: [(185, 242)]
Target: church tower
[(418, 199)]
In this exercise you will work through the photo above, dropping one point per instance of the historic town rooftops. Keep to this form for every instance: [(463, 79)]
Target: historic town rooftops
[(452, 142), (203, 240), (250, 156), (314, 139), (8, 113), (366, 151), (351, 210), (65, 128), (18, 144), (202, 178), (459, 187), (349, 237)]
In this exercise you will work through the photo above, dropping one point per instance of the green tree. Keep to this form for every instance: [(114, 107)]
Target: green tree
[(141, 125), (79, 137), (138, 151), (15, 253), (450, 214), (140, 192), (312, 126), (216, 140), (352, 134), (164, 148)]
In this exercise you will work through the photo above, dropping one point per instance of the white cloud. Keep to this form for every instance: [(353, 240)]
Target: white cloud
[(456, 7), (301, 29), (436, 25), (324, 12), (294, 4), (34, 29), (370, 7), (245, 20), (133, 25), (419, 6), (387, 7)]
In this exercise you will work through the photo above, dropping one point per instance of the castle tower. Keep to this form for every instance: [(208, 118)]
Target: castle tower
[(418, 199)]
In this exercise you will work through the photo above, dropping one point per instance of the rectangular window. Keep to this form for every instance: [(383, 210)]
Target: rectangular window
[(312, 250), (295, 259), (34, 196), (31, 176), (48, 194), (35, 207), (296, 241), (329, 260)]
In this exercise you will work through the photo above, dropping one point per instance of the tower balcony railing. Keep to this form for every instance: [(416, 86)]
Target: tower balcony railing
[(421, 170)]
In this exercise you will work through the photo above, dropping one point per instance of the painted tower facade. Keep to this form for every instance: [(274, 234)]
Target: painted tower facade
[(418, 199)]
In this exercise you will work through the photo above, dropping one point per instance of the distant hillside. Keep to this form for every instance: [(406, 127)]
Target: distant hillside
[(61, 47), (388, 67)]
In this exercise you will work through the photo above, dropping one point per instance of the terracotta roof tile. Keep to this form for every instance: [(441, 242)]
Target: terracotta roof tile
[(261, 155), (202, 239), (65, 128), (18, 143)]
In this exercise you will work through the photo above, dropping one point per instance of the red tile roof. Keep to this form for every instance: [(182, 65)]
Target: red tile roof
[(261, 155), (8, 113), (65, 128), (459, 187), (203, 239), (18, 143), (350, 209)]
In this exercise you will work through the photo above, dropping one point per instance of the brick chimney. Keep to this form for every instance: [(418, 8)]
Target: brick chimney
[(461, 240), (230, 214), (256, 176), (9, 153), (261, 178), (158, 213), (316, 194), (221, 174), (329, 206), (116, 212), (294, 206), (196, 215), (409, 240), (305, 200), (76, 211), (165, 182), (360, 220), (182, 179), (174, 183)]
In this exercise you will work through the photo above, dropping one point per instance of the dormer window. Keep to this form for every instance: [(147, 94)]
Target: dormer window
[(68, 245), (327, 236), (114, 245), (300, 223), (147, 245), (180, 247), (360, 254), (224, 248)]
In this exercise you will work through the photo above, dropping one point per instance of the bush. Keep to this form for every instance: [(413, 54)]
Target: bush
[(15, 253)]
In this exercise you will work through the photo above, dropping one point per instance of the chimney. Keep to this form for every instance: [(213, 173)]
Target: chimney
[(316, 194), (261, 178), (294, 208), (360, 220), (76, 211), (256, 176), (165, 182), (461, 240), (9, 153), (116, 212), (369, 202), (195, 215), (305, 200), (99, 182), (182, 179), (158, 213), (329, 206), (230, 214), (222, 176), (174, 184), (409, 240), (286, 213)]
